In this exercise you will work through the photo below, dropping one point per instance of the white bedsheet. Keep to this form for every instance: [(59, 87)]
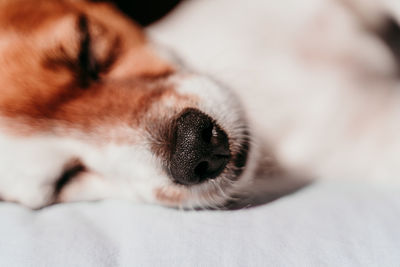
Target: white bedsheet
[(325, 224)]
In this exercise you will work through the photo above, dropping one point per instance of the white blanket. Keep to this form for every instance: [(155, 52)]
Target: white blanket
[(326, 224)]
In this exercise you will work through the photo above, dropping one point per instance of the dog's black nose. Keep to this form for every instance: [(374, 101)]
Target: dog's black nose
[(201, 148)]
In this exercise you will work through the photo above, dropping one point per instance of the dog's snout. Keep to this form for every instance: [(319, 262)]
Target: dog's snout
[(201, 148)]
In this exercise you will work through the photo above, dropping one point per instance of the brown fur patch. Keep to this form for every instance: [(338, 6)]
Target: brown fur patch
[(101, 105), (39, 69), (170, 195)]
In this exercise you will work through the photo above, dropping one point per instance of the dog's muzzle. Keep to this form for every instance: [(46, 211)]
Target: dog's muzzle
[(200, 149)]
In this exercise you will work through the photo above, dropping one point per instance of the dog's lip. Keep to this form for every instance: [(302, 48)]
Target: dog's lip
[(71, 170)]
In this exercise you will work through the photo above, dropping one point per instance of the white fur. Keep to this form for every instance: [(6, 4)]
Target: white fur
[(317, 85)]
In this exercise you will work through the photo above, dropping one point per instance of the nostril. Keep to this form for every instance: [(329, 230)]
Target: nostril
[(201, 169), (210, 169), (206, 134)]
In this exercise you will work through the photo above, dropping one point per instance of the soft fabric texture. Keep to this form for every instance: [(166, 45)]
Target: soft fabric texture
[(325, 224)]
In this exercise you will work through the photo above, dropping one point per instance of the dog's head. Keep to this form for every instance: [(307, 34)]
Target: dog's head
[(85, 77)]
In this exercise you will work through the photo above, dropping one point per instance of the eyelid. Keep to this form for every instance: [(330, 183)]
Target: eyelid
[(86, 59)]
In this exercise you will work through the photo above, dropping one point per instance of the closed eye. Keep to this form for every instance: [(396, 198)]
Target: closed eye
[(96, 53), (90, 64), (88, 67)]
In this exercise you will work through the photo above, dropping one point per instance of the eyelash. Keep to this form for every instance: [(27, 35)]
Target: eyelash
[(89, 68)]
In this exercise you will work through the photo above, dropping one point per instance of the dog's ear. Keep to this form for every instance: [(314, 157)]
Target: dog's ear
[(144, 12)]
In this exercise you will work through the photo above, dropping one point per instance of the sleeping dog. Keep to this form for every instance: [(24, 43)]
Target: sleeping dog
[(91, 109)]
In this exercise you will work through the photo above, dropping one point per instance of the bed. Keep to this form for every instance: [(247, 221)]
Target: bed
[(324, 224)]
